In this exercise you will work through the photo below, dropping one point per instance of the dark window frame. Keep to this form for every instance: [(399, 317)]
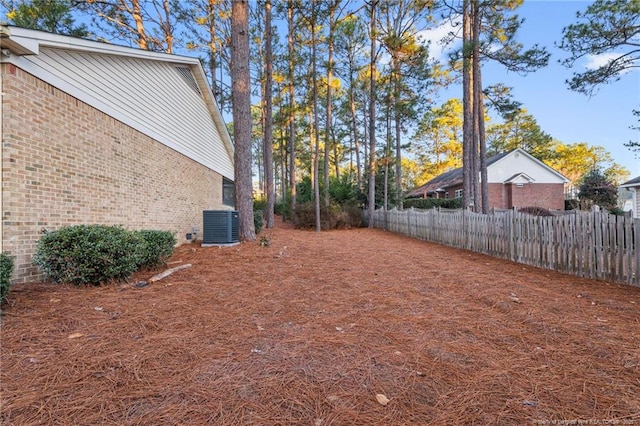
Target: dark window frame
[(228, 192)]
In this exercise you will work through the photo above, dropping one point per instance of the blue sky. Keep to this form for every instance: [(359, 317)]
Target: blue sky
[(603, 119), (568, 116)]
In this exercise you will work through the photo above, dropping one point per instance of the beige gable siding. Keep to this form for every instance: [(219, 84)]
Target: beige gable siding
[(519, 162), (150, 96)]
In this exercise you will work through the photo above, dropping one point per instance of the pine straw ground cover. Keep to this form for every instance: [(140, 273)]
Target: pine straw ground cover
[(359, 327)]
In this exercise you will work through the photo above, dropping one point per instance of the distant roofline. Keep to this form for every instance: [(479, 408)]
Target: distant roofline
[(453, 177)]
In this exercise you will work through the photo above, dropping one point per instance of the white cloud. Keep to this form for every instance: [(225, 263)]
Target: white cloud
[(437, 48), (597, 61)]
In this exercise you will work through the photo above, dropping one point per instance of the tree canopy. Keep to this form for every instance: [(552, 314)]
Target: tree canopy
[(606, 27), (54, 16), (596, 188), (349, 91)]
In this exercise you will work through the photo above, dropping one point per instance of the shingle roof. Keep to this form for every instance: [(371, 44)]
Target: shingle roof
[(632, 182), (448, 179)]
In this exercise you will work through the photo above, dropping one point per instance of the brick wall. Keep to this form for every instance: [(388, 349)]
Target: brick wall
[(65, 163), (546, 195)]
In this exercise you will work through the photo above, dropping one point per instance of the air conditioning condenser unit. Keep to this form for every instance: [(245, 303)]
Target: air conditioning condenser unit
[(220, 227)]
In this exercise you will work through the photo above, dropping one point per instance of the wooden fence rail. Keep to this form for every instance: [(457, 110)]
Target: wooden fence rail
[(587, 244)]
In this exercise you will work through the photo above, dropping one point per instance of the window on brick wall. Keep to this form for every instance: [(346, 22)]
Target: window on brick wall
[(459, 193), (228, 193)]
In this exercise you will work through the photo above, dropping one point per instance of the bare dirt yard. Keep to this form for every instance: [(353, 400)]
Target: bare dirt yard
[(354, 327)]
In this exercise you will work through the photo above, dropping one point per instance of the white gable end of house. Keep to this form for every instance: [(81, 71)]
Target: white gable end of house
[(162, 96), (519, 162)]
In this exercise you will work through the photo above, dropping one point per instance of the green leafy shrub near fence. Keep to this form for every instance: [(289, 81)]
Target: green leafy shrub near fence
[(6, 268), (90, 254), (432, 203), (157, 249), (258, 220), (334, 216)]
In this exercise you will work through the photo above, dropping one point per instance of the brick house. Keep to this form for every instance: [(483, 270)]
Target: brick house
[(94, 133), (515, 179)]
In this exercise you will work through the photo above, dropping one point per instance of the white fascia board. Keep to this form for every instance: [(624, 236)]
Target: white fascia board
[(41, 38), (20, 45)]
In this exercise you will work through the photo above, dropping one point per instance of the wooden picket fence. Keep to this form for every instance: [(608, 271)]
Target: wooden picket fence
[(587, 244)]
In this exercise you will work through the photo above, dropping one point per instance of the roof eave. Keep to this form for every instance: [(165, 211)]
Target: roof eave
[(30, 41)]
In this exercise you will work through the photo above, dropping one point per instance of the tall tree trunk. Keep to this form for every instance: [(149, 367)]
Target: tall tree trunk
[(372, 117), (365, 135), (398, 129), (241, 96), (213, 50), (316, 145), (327, 136), (479, 193), (137, 18), (468, 161), (336, 159), (387, 158), (283, 163), (478, 109), (292, 108), (268, 120), (354, 132), (167, 28)]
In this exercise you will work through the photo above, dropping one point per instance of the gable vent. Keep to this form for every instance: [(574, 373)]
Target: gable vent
[(220, 227), (185, 73)]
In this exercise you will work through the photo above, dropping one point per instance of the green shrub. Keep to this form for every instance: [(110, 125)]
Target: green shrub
[(431, 203), (258, 220), (283, 208), (6, 268), (158, 247), (89, 254), (616, 211), (260, 203), (334, 216)]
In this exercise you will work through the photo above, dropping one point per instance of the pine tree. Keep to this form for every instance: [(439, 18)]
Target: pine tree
[(241, 97), (54, 16)]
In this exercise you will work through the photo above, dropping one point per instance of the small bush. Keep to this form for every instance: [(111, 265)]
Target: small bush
[(431, 203), (6, 268), (571, 204), (258, 220), (260, 203), (283, 208), (89, 254), (158, 247), (616, 211), (333, 216)]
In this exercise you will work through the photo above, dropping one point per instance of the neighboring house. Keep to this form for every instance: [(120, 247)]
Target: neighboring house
[(515, 179), (633, 185), (94, 133)]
